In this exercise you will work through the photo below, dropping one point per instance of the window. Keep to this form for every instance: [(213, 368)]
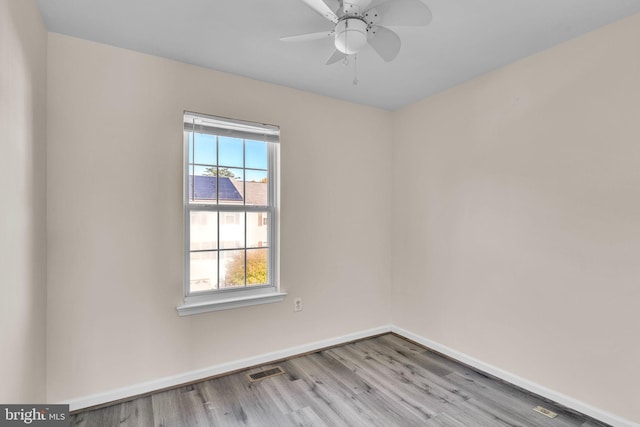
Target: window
[(230, 209)]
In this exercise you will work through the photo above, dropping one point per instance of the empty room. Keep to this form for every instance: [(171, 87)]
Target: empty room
[(320, 212)]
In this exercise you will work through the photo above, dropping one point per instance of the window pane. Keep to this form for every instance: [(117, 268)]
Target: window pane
[(202, 170), (231, 269), (256, 188), (257, 229), (230, 152), (202, 188), (256, 154), (257, 270), (203, 272), (204, 149), (256, 175), (204, 230), (224, 172), (231, 230), (231, 186)]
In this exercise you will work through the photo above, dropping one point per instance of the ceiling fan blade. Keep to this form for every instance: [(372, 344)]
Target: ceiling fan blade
[(333, 5), (307, 37), (322, 8), (375, 3), (335, 57), (361, 4), (385, 42), (404, 13)]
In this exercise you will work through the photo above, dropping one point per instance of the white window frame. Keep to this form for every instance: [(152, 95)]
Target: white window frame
[(222, 299)]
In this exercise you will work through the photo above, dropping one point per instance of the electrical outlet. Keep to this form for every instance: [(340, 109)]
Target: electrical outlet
[(297, 304)]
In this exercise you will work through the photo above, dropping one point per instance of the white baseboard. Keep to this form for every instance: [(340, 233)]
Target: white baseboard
[(187, 377), (560, 398)]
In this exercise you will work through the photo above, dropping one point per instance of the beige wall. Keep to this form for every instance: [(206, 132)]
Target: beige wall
[(114, 218), (517, 218), (515, 233), (23, 56)]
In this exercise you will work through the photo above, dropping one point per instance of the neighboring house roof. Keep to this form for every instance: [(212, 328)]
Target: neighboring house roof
[(257, 192), (229, 189), (205, 188)]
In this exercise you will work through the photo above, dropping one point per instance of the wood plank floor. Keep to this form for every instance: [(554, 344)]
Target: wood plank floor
[(383, 381)]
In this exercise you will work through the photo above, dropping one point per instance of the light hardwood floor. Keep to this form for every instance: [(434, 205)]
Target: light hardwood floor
[(383, 381)]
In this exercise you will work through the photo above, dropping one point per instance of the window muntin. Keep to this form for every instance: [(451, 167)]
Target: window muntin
[(230, 209)]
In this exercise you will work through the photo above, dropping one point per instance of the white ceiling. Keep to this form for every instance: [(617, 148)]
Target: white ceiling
[(465, 39)]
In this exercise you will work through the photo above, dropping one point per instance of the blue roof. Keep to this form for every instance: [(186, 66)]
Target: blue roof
[(205, 188)]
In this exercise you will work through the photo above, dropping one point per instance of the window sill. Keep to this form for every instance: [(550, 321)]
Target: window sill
[(188, 309)]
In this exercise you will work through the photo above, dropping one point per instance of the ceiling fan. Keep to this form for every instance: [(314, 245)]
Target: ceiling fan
[(361, 22)]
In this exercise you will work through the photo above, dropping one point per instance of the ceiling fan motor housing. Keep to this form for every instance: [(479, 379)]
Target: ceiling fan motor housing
[(351, 35)]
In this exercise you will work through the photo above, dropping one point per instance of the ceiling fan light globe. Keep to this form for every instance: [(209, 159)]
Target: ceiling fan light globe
[(351, 35)]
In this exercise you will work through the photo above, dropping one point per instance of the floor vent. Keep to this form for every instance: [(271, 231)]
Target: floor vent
[(268, 373), (545, 411)]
